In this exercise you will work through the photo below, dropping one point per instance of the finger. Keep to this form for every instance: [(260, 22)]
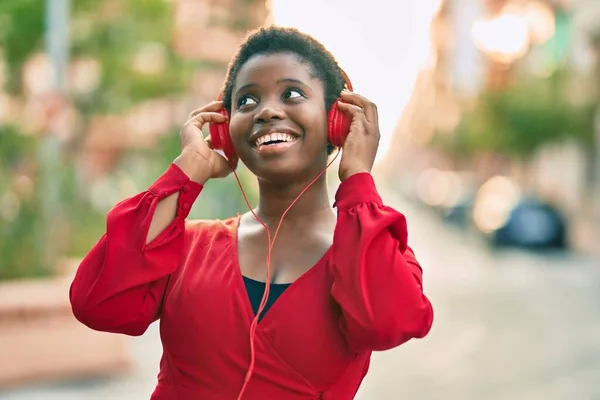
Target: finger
[(212, 106), (208, 140), (354, 110), (367, 105), (204, 117), (223, 165)]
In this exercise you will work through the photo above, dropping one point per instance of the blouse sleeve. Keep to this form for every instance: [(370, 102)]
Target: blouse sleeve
[(377, 280), (120, 283)]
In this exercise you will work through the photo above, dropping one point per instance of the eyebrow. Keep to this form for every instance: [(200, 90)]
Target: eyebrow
[(279, 81)]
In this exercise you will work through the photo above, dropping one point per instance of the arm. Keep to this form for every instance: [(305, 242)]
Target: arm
[(120, 284), (377, 280)]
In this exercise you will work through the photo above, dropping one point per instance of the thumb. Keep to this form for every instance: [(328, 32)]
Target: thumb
[(211, 146), (223, 167), (208, 140)]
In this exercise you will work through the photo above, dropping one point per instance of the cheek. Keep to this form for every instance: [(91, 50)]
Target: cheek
[(313, 120), (240, 126), (320, 126)]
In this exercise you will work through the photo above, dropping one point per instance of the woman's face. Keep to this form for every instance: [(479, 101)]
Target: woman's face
[(278, 120)]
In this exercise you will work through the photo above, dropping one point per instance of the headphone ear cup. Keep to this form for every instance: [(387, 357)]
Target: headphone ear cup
[(339, 125), (221, 140)]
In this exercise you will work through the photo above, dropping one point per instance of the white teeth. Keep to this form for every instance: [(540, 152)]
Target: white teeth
[(282, 137)]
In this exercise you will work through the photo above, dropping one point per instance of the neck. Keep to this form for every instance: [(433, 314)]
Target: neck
[(275, 199)]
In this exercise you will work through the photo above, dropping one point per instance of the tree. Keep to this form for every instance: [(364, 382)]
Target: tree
[(116, 36), (518, 120)]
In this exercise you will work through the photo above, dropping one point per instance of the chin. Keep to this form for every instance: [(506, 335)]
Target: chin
[(279, 172), (286, 170)]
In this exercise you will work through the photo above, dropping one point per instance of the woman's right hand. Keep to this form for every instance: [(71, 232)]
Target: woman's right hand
[(198, 160)]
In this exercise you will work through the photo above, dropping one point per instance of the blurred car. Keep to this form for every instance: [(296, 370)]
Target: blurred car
[(532, 224)]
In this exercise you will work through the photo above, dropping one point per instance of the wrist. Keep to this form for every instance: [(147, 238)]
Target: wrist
[(194, 166), (353, 171)]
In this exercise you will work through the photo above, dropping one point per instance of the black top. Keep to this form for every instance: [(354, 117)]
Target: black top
[(256, 290)]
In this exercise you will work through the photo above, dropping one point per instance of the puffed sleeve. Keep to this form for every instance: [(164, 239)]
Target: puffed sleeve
[(377, 280), (119, 285)]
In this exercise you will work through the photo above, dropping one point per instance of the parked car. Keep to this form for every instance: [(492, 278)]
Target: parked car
[(532, 224)]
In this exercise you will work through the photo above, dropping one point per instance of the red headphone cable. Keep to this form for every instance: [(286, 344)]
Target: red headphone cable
[(271, 242)]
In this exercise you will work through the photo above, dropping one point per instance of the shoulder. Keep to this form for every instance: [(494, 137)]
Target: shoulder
[(210, 228), (210, 224)]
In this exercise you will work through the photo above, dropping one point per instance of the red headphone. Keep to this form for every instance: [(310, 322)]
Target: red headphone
[(338, 127)]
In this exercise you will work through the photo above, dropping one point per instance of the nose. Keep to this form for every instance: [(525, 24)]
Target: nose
[(270, 110)]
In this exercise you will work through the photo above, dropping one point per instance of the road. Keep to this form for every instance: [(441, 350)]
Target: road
[(508, 326)]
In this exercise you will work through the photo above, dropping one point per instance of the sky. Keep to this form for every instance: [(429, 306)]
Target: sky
[(381, 44)]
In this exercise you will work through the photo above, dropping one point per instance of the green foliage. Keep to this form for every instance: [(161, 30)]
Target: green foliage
[(113, 33), (13, 147), (20, 254), (21, 34), (114, 42), (518, 120)]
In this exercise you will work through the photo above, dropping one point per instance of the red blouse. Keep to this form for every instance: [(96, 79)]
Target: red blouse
[(315, 342)]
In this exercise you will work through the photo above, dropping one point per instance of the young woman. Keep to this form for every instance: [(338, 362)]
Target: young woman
[(346, 281)]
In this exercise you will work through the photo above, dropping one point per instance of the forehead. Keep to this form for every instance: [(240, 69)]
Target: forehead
[(263, 68)]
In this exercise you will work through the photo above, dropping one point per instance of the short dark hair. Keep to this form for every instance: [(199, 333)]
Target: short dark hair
[(273, 40)]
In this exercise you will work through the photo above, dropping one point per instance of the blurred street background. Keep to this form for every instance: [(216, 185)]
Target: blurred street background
[(490, 122)]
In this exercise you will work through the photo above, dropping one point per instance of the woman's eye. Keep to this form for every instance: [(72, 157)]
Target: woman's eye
[(293, 94), (245, 101)]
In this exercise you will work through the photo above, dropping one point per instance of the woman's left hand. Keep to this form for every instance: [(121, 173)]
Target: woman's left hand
[(360, 147)]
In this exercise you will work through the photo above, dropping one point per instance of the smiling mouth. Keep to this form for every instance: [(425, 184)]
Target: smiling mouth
[(274, 139)]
